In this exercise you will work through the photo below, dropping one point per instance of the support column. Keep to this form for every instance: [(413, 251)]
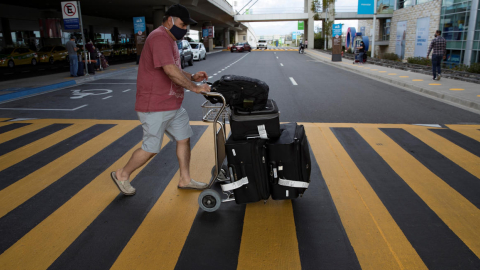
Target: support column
[(226, 37), (467, 58), (236, 37), (209, 41), (309, 32), (158, 13)]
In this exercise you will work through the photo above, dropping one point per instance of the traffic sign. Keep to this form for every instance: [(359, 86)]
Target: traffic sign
[(71, 20), (300, 25)]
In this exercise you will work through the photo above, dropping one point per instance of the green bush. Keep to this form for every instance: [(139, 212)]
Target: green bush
[(319, 43), (460, 67), (419, 61), (474, 68), (390, 56), (369, 53)]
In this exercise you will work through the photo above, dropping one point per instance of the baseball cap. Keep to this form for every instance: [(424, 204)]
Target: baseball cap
[(180, 12)]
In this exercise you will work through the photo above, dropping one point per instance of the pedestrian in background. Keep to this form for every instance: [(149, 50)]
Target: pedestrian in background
[(160, 93), (361, 52), (93, 53), (439, 47), (306, 44), (72, 56)]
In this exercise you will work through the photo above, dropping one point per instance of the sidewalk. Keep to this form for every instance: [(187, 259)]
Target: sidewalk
[(463, 93), (24, 87)]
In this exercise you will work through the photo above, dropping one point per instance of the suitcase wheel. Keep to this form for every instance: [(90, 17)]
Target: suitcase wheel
[(209, 200)]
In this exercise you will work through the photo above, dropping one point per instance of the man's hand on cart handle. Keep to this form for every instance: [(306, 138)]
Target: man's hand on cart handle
[(202, 88), (200, 76)]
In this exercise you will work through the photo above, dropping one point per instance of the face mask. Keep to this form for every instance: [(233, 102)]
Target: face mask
[(177, 32)]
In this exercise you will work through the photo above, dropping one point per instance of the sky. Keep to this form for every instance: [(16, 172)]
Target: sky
[(288, 6)]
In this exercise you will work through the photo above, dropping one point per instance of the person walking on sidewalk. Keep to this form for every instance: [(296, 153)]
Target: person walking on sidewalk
[(439, 46), (72, 56), (160, 92)]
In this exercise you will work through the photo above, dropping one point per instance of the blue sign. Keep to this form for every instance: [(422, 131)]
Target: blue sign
[(205, 32), (365, 7), (294, 35), (71, 24), (336, 30), (139, 24)]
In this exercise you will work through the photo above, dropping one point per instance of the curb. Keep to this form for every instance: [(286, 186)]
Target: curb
[(57, 86), (457, 100)]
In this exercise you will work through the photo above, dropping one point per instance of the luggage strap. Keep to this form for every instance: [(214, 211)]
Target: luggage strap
[(235, 185), (291, 183)]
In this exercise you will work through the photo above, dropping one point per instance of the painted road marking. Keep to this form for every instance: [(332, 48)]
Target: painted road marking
[(38, 109), (210, 77), (370, 229), (293, 81), (126, 90), (434, 84), (403, 76), (457, 89), (277, 57), (107, 97), (281, 64), (374, 69), (417, 80), (392, 73), (382, 71)]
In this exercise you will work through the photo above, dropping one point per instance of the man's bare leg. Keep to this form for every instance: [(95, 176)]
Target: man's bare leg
[(139, 157), (183, 155)]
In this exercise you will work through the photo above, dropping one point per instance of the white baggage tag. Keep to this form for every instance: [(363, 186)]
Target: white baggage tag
[(275, 173), (262, 132), (234, 154)]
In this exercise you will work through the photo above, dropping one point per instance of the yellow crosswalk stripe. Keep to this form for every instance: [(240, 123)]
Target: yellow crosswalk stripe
[(5, 123), (49, 239), (31, 149), (459, 214), (19, 192), (472, 131), (376, 238), (162, 234), (12, 134), (465, 159), (269, 239), (4, 119)]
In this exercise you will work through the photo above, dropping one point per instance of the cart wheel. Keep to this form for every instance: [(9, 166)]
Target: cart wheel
[(209, 200)]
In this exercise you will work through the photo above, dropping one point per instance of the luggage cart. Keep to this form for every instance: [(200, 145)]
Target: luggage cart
[(218, 114)]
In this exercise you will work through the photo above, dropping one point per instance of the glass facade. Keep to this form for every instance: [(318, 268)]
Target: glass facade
[(454, 23)]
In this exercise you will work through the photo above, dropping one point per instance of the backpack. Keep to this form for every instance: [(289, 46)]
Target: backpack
[(243, 93)]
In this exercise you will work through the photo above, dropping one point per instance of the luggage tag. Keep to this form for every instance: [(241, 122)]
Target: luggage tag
[(262, 132), (273, 172)]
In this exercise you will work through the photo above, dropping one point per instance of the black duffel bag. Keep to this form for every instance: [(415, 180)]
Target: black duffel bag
[(243, 93)]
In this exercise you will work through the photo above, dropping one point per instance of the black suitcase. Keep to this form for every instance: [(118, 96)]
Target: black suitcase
[(289, 162), (263, 124), (81, 69), (241, 92), (91, 68), (248, 168)]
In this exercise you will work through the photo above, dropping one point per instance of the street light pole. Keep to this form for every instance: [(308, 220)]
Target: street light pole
[(325, 31), (374, 27), (83, 37)]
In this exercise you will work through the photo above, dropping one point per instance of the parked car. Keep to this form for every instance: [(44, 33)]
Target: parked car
[(262, 44), (186, 54), (10, 57), (119, 50), (105, 49), (50, 54), (241, 47), (199, 51)]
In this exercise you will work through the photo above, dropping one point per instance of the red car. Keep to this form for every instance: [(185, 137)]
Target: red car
[(240, 47)]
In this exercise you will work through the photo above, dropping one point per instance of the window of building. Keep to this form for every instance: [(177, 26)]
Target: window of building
[(385, 29)]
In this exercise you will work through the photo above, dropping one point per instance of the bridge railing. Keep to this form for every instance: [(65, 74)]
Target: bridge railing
[(290, 10)]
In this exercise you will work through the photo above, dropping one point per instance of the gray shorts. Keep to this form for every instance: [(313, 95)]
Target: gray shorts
[(175, 124)]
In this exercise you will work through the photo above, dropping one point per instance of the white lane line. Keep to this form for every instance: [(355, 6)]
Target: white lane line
[(281, 64), (34, 109), (293, 81), (219, 72), (126, 90), (277, 57), (210, 77), (214, 74), (107, 97)]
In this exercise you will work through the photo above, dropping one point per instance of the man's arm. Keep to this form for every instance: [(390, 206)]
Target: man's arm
[(430, 48), (179, 77)]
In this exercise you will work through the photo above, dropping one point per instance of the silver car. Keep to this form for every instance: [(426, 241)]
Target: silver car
[(198, 50)]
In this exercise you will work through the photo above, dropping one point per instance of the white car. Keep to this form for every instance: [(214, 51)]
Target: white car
[(262, 44), (198, 50)]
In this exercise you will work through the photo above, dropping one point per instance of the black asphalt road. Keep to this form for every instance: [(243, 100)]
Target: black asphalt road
[(323, 94), (380, 196)]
